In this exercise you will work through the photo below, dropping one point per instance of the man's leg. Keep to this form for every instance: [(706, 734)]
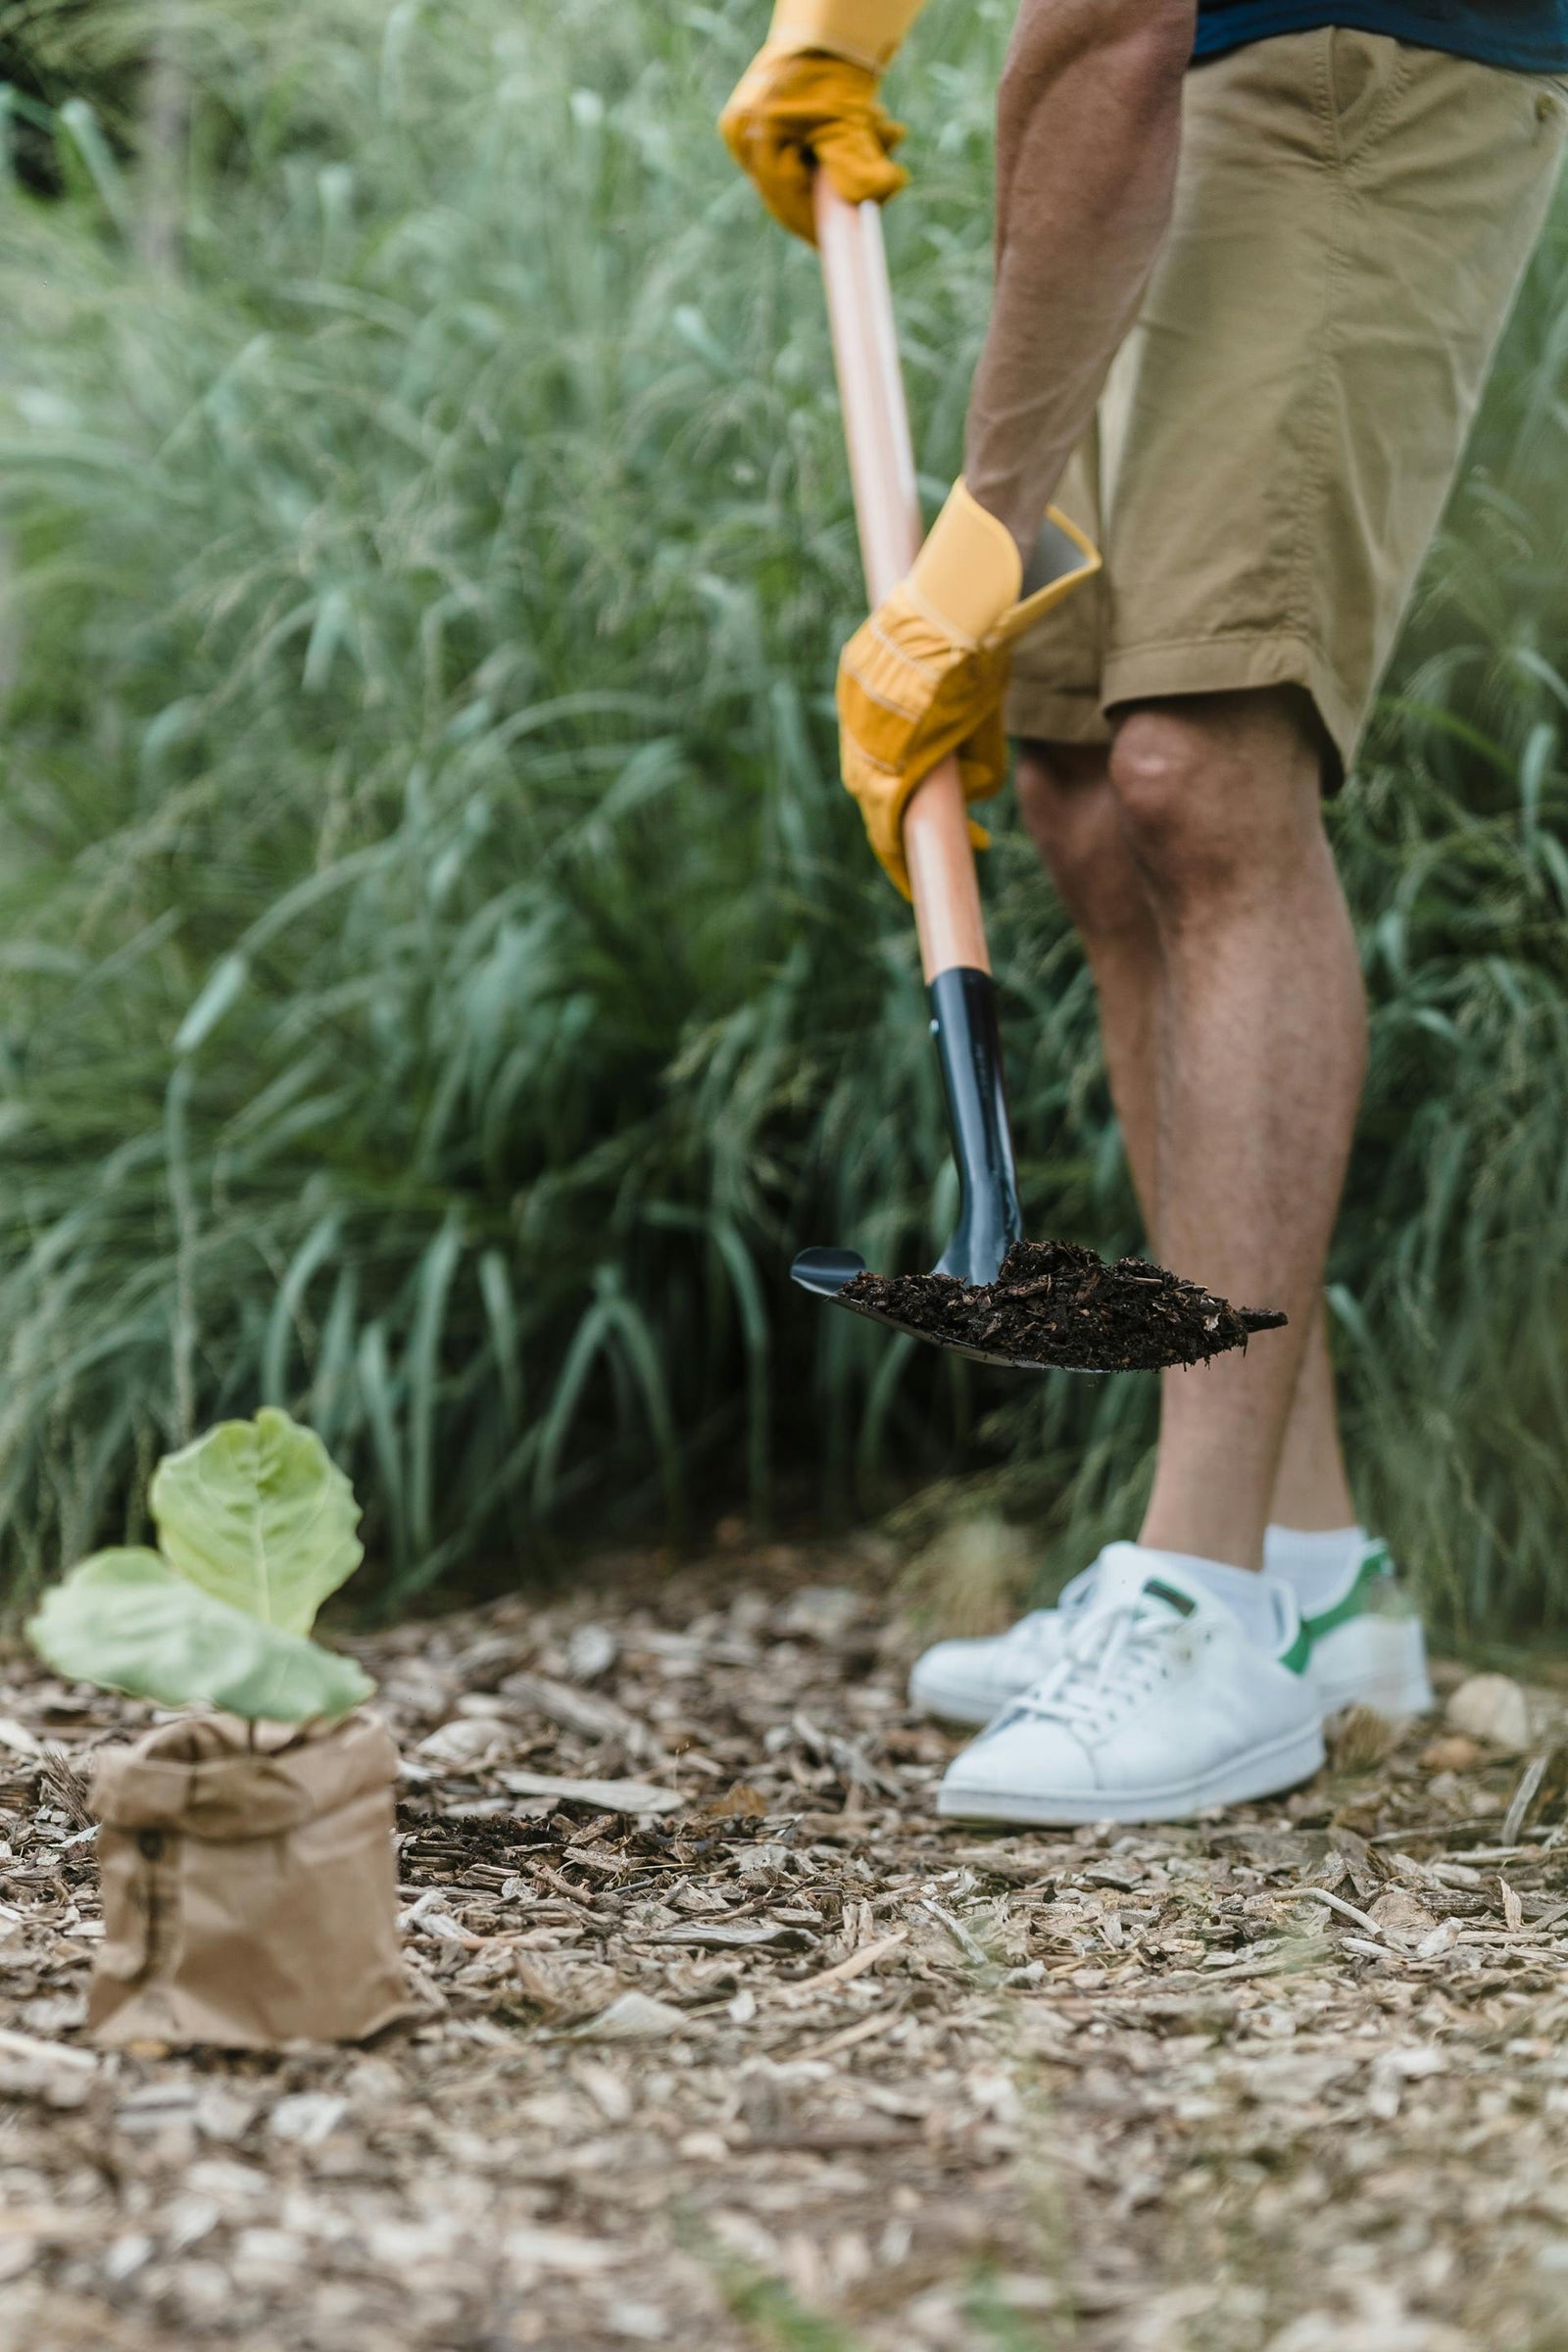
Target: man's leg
[(1193, 861), (1311, 1486), (1145, 907)]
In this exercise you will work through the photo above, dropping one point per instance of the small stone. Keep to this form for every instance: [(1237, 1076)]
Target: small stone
[(1492, 1707)]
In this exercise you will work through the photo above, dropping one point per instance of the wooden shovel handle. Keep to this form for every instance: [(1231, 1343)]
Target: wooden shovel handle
[(886, 512)]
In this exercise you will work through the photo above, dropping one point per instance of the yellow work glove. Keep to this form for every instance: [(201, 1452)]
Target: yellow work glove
[(925, 675), (808, 100)]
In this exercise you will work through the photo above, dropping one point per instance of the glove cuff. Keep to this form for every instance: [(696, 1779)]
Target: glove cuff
[(969, 577), (866, 32)]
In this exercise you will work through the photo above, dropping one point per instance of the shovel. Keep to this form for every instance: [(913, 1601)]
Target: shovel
[(936, 831)]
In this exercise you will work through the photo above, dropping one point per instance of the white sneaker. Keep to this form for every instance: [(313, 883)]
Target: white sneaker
[(1368, 1649), (1158, 1705), (970, 1682)]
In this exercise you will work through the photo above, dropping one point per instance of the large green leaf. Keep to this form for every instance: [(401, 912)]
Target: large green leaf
[(259, 1515), (126, 1619)]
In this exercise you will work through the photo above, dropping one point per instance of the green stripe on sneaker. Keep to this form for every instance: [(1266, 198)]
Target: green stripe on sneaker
[(1376, 1568), (1181, 1602), (1295, 1659)]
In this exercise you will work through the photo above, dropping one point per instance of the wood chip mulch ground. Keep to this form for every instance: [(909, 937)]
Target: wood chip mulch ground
[(785, 2062)]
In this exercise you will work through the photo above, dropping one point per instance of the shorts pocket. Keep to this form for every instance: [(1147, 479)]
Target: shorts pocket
[(1366, 72)]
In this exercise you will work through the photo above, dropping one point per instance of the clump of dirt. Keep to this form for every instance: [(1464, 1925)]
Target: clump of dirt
[(1055, 1303)]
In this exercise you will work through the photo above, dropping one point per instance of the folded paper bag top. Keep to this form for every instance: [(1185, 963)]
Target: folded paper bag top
[(250, 1894), (201, 1775)]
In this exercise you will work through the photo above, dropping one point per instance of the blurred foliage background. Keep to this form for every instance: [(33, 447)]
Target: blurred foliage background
[(440, 979)]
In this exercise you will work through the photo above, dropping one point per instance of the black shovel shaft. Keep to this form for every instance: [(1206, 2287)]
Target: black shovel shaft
[(963, 1023)]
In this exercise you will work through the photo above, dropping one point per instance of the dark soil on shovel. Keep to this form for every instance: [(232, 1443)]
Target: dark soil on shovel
[(1057, 1304)]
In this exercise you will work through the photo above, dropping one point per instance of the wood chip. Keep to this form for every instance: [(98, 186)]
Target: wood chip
[(584, 1711), (46, 2053), (844, 1970), (606, 1796), (971, 1950), (1524, 1796), (1336, 1902), (720, 1935), (633, 2017), (850, 2037)]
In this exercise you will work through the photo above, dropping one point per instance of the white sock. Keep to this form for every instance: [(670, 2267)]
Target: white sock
[(1248, 1596), (1315, 1562)]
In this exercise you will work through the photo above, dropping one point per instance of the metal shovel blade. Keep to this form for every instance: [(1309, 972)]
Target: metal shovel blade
[(963, 1026)]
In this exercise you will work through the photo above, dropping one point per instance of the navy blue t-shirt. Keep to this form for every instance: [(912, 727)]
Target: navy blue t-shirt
[(1530, 36)]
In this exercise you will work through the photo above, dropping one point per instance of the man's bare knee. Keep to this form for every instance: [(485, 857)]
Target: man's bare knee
[(1068, 806), (1216, 791)]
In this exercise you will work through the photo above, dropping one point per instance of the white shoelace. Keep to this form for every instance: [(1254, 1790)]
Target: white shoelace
[(1116, 1657)]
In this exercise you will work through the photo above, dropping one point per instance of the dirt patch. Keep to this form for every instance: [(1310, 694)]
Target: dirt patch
[(796, 2065), (1055, 1303)]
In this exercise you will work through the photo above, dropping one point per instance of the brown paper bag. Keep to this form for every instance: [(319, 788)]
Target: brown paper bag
[(250, 1893)]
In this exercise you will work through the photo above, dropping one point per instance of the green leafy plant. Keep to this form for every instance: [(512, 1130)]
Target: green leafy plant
[(257, 1526)]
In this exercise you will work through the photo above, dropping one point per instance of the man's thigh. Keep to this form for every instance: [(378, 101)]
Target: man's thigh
[(1282, 427)]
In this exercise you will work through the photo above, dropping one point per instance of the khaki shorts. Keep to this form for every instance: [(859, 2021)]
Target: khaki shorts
[(1278, 433)]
